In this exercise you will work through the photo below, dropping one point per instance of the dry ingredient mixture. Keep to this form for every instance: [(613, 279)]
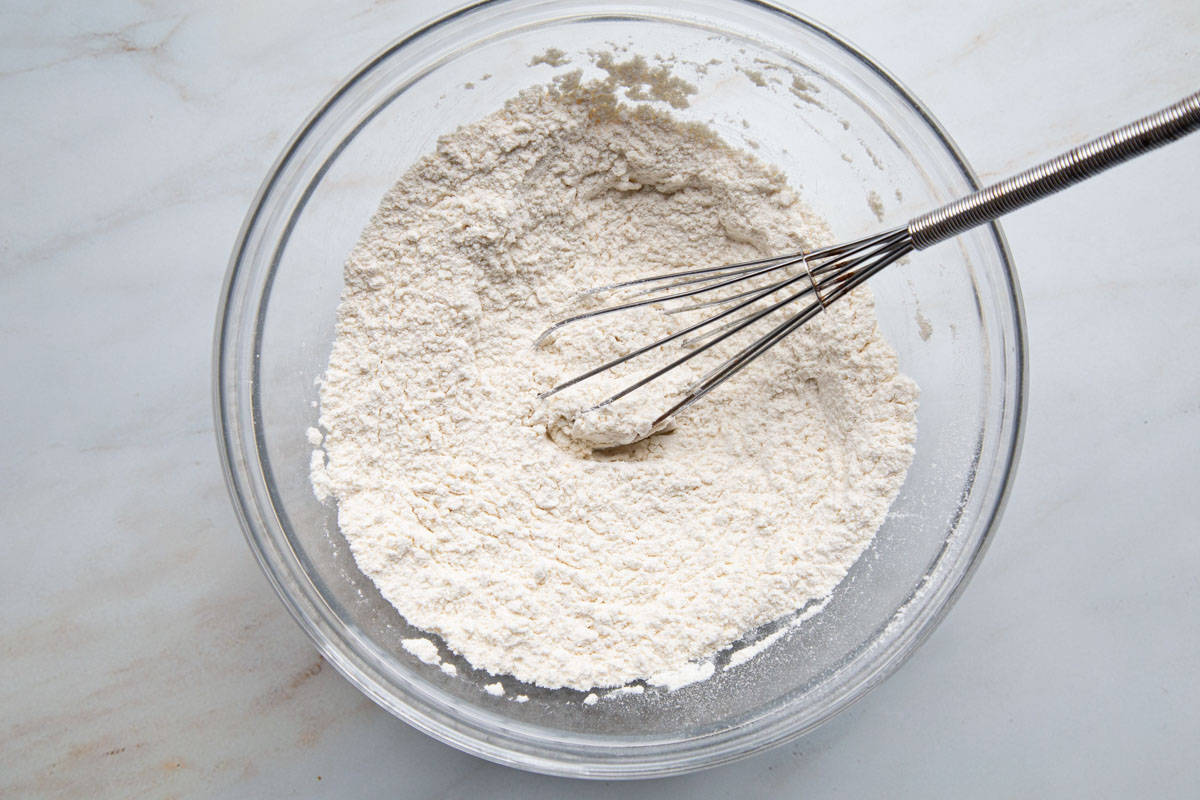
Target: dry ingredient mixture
[(506, 525)]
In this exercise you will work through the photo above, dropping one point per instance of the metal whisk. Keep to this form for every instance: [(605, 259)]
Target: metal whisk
[(830, 273)]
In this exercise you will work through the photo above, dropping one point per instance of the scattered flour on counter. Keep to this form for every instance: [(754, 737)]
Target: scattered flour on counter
[(495, 689), (591, 699), (491, 519)]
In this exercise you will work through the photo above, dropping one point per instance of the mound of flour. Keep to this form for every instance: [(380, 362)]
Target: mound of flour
[(490, 518)]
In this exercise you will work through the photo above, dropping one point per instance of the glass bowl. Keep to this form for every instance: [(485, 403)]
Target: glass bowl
[(858, 147)]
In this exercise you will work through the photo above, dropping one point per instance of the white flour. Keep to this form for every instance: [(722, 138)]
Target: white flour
[(483, 514)]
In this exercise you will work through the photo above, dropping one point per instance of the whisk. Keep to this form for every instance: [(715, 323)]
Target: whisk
[(821, 277)]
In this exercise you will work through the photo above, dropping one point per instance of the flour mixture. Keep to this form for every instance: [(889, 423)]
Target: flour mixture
[(510, 527)]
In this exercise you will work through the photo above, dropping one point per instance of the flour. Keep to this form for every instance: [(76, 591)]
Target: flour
[(423, 649), (490, 518), (683, 675), (744, 654)]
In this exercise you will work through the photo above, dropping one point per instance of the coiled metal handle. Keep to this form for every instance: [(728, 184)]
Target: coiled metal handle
[(1057, 174)]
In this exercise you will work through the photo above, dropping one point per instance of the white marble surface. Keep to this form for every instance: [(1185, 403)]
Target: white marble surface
[(145, 655)]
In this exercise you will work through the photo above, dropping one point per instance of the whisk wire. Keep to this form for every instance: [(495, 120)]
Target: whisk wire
[(724, 281), (839, 274), (841, 268), (748, 354)]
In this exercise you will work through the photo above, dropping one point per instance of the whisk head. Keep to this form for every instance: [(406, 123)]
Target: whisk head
[(783, 292)]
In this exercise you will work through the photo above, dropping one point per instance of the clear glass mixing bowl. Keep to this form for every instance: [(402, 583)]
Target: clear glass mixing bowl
[(854, 141)]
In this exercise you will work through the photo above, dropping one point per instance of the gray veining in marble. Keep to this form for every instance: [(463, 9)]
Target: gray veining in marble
[(145, 655)]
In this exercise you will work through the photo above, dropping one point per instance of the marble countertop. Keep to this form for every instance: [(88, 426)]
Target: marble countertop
[(145, 654)]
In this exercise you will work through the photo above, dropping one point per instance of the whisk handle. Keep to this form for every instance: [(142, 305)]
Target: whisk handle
[(1058, 173)]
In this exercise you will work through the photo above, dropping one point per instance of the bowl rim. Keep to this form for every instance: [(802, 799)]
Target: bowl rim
[(609, 761)]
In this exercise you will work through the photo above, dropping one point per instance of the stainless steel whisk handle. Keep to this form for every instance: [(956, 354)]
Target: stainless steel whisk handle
[(1057, 174)]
